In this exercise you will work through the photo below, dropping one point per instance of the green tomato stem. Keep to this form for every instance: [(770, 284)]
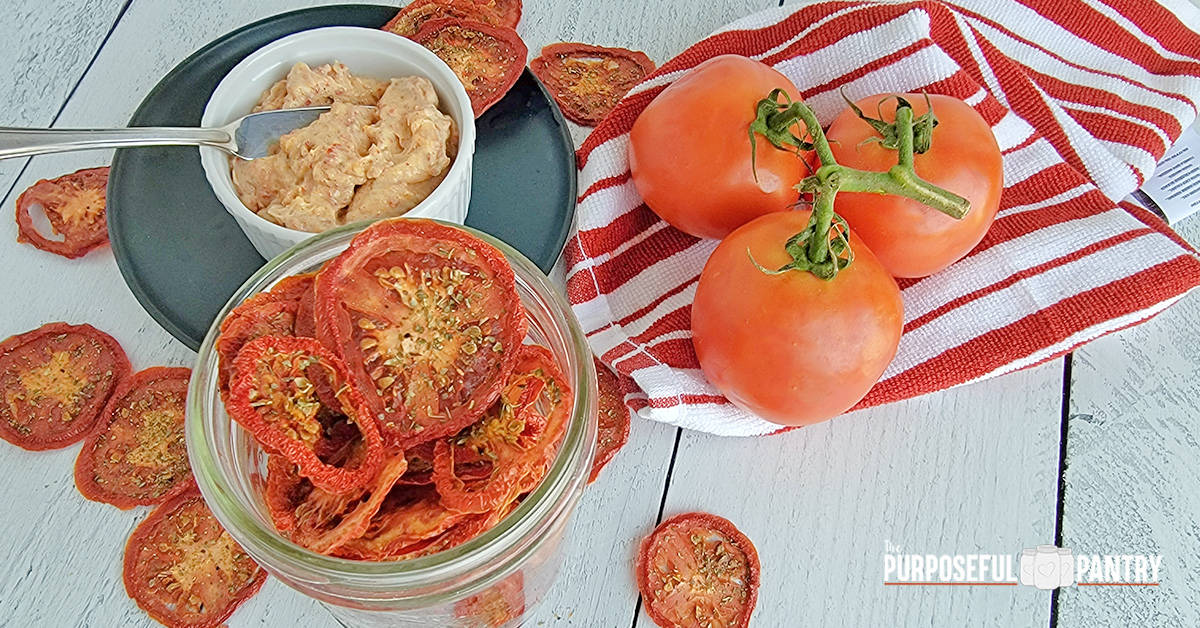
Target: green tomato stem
[(820, 254)]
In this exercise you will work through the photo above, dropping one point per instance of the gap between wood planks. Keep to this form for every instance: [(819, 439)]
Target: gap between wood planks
[(71, 94), (1063, 428)]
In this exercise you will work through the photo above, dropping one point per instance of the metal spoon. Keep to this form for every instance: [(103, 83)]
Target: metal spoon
[(247, 137)]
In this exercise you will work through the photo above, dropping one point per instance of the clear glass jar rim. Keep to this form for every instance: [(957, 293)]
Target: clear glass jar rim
[(517, 535)]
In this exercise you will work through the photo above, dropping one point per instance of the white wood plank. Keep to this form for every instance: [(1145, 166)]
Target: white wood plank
[(969, 470), (1133, 464), (44, 60), (70, 549), (595, 586)]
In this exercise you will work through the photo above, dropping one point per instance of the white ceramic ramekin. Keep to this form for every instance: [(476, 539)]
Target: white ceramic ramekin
[(367, 52)]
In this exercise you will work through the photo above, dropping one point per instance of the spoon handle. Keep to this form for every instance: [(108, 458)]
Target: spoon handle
[(19, 142)]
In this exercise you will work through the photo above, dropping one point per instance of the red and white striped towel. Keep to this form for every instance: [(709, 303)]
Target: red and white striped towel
[(1084, 96)]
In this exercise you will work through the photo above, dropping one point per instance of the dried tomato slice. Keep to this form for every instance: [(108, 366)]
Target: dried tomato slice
[(518, 434), (495, 606), (274, 398), (255, 318), (697, 569), (427, 319), (588, 81), (614, 419), (183, 569), (509, 11), (409, 515), (412, 17), (75, 206), (137, 455), (54, 382), (487, 59)]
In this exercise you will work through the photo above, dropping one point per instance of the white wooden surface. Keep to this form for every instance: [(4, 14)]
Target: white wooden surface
[(975, 469)]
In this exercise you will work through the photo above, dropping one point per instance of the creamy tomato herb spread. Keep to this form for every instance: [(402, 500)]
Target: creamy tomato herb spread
[(355, 162)]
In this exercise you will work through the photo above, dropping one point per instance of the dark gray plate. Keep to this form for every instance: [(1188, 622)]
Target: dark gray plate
[(183, 255)]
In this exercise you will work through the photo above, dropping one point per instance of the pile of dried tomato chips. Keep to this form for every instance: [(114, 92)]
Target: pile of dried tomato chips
[(65, 383), (412, 418), (74, 205), (695, 570), (55, 381), (476, 38), (588, 81)]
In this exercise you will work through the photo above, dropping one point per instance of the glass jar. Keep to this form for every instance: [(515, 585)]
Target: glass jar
[(489, 581)]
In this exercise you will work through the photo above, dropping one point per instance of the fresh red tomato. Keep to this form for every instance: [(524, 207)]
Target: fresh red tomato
[(689, 150), (137, 455), (698, 570), (793, 348), (908, 238)]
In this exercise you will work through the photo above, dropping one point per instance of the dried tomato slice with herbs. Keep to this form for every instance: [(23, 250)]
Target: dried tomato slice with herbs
[(487, 59), (412, 17), (272, 396), (183, 569), (613, 432), (54, 382), (427, 319), (588, 81), (517, 435), (495, 606), (137, 455), (696, 570), (74, 205)]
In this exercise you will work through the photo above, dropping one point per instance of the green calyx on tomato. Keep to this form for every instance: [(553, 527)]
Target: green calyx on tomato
[(775, 123), (814, 249), (889, 134)]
